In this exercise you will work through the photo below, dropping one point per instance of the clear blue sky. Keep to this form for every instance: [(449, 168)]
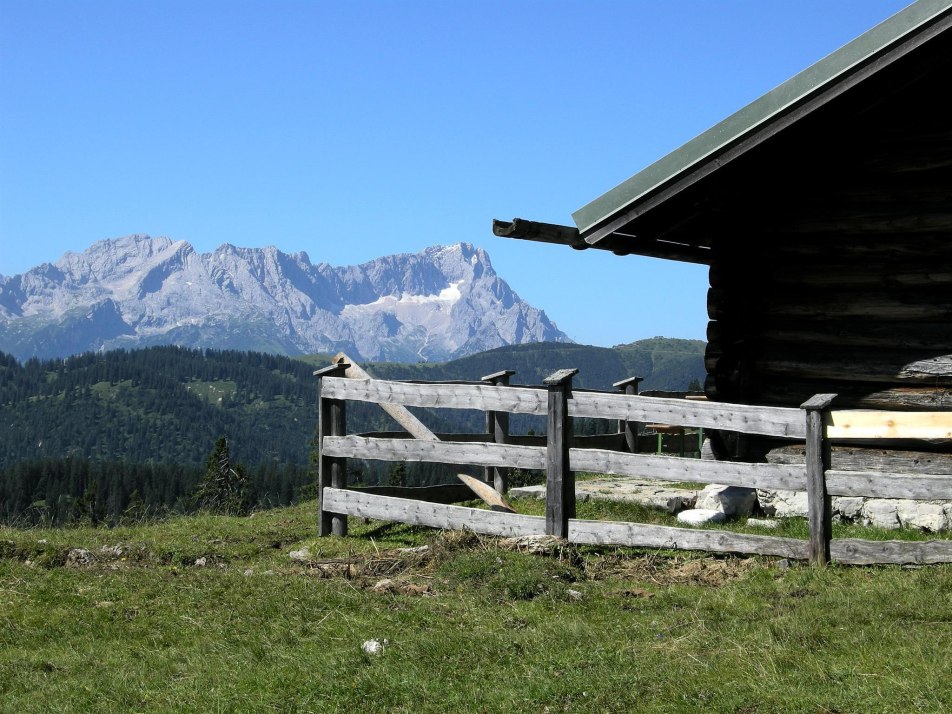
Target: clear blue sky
[(358, 129)]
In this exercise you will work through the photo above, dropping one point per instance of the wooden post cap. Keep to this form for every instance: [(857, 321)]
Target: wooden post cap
[(559, 377), (625, 382), (497, 375), (818, 401), (331, 369)]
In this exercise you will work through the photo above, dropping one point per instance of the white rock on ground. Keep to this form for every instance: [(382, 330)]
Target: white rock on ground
[(374, 647), (79, 557), (701, 516), (730, 500)]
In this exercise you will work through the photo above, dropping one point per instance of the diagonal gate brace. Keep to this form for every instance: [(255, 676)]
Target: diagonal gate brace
[(418, 430)]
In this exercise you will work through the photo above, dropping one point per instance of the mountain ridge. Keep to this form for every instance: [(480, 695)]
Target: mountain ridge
[(137, 291)]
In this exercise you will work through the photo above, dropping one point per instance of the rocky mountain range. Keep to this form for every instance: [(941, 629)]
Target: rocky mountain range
[(137, 291)]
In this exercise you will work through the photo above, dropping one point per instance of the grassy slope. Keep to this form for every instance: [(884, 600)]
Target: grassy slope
[(471, 626)]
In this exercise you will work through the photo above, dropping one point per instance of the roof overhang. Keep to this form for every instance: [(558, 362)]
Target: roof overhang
[(627, 218)]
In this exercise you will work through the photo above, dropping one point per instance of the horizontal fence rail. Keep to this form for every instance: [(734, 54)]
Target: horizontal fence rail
[(560, 454), (766, 421)]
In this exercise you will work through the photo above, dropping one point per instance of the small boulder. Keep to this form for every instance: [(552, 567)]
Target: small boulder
[(79, 558), (730, 500), (302, 555), (374, 647), (701, 516), (384, 586)]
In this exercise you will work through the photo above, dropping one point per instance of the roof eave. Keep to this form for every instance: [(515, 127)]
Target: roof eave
[(784, 105)]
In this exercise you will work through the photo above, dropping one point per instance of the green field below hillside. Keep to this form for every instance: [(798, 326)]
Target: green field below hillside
[(210, 613)]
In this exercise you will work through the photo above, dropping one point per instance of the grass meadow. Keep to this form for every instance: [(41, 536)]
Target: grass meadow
[(210, 614)]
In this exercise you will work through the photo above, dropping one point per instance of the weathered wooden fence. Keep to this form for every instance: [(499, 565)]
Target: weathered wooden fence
[(562, 455)]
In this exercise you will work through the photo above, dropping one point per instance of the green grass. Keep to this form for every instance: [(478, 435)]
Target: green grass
[(470, 624)]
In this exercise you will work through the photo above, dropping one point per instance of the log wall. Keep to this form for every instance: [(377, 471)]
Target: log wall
[(837, 274), (882, 346)]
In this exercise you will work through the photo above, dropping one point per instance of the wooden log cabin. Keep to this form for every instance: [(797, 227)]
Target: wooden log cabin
[(824, 210)]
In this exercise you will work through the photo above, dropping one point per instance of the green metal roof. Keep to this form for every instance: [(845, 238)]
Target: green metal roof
[(702, 153)]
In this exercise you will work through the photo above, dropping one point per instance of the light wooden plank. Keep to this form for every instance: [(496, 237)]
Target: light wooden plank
[(877, 484), (641, 535), (435, 515), (673, 468), (444, 452), (517, 400), (860, 424), (855, 551), (769, 421)]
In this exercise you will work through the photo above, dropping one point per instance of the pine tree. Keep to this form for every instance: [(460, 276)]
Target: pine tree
[(226, 488)]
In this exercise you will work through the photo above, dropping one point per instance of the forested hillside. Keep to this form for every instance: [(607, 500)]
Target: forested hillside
[(126, 425)]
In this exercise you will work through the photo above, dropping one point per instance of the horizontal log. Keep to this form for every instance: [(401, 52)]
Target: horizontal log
[(778, 269), (885, 222), (848, 365), (853, 551), (518, 400), (435, 515), (874, 367), (860, 424), (674, 468), (444, 493), (639, 535), (822, 246), (935, 337), (786, 391), (878, 484), (769, 421), (854, 458), (442, 452), (879, 305)]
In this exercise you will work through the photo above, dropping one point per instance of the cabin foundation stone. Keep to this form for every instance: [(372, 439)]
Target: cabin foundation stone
[(888, 513)]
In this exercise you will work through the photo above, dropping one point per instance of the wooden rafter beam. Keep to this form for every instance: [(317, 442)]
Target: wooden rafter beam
[(619, 244), (541, 232)]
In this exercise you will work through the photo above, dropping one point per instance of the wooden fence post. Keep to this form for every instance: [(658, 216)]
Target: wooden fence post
[(332, 421), (819, 510), (629, 428), (497, 426), (559, 479)]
